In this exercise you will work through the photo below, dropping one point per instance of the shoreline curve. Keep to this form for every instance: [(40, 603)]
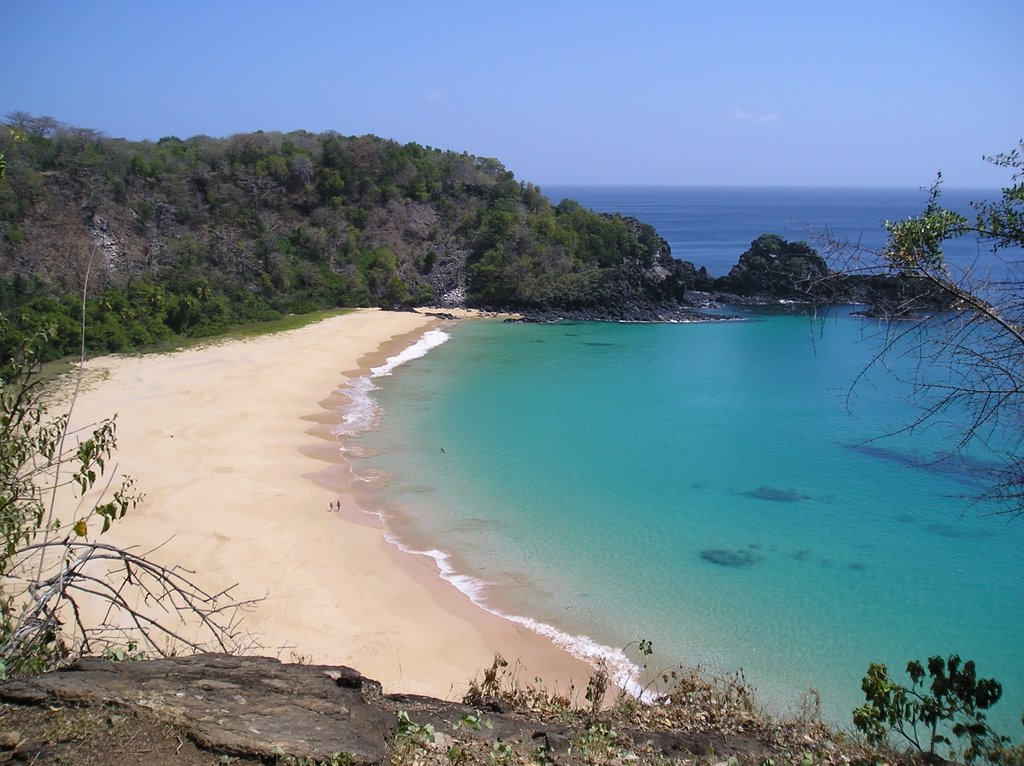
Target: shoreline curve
[(239, 479)]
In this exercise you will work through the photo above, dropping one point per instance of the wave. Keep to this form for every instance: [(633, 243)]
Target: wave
[(362, 414), (431, 339), (623, 671)]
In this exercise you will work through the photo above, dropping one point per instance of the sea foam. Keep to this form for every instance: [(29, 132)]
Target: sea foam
[(622, 670), (363, 413)]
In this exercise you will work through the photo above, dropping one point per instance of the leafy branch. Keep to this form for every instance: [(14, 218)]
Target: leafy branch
[(951, 705)]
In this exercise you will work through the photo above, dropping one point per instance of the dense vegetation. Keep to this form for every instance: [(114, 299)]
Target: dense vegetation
[(185, 237)]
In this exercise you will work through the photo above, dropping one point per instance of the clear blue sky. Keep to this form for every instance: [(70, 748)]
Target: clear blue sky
[(793, 92)]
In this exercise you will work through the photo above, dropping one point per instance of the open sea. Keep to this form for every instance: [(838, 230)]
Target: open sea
[(725, 490)]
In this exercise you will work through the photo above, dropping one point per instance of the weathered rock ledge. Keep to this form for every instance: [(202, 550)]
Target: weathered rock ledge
[(260, 709)]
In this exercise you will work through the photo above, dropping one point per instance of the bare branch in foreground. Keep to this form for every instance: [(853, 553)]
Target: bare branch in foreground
[(154, 606)]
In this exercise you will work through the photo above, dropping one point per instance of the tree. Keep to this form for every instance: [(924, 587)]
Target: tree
[(952, 704), (974, 353), (50, 566)]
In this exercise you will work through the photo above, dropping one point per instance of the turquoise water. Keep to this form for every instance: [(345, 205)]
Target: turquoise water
[(710, 487)]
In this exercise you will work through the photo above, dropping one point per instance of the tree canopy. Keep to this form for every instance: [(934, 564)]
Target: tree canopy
[(186, 236)]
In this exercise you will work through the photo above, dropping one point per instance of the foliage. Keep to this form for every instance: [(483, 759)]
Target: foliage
[(951, 705), (915, 244), (693, 715), (778, 267), (33, 452), (130, 652), (501, 686), (415, 731), (337, 759)]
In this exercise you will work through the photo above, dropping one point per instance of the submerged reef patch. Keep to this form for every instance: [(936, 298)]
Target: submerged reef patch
[(958, 532), (726, 558), (775, 495), (953, 465)]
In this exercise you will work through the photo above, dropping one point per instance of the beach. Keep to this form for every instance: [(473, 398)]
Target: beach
[(232, 444)]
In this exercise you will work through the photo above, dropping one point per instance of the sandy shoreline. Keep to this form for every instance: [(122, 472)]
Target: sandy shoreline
[(232, 446)]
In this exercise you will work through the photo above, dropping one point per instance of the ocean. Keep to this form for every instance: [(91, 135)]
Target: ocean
[(725, 490)]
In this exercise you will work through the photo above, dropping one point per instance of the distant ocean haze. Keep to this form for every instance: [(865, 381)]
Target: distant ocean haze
[(717, 488)]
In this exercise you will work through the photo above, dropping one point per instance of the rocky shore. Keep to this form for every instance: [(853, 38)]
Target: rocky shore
[(635, 312), (773, 271)]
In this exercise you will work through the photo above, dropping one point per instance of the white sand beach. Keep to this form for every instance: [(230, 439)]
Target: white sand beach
[(231, 444)]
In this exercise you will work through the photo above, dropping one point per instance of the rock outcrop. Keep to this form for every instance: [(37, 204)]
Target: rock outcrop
[(244, 706), (259, 710)]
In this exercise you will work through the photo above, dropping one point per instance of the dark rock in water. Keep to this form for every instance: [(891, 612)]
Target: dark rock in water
[(724, 558), (952, 465), (776, 495), (774, 270), (958, 531)]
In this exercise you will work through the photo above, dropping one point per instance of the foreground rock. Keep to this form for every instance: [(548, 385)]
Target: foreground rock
[(258, 710), (247, 706)]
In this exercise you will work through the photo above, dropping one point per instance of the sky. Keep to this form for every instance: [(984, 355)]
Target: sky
[(717, 92)]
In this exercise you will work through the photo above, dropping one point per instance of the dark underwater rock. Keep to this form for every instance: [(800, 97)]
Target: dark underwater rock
[(727, 558), (775, 495)]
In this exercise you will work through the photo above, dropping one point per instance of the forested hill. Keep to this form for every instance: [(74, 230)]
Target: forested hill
[(187, 236)]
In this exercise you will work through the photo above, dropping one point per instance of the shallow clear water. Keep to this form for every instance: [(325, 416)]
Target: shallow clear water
[(714, 488), (710, 487)]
